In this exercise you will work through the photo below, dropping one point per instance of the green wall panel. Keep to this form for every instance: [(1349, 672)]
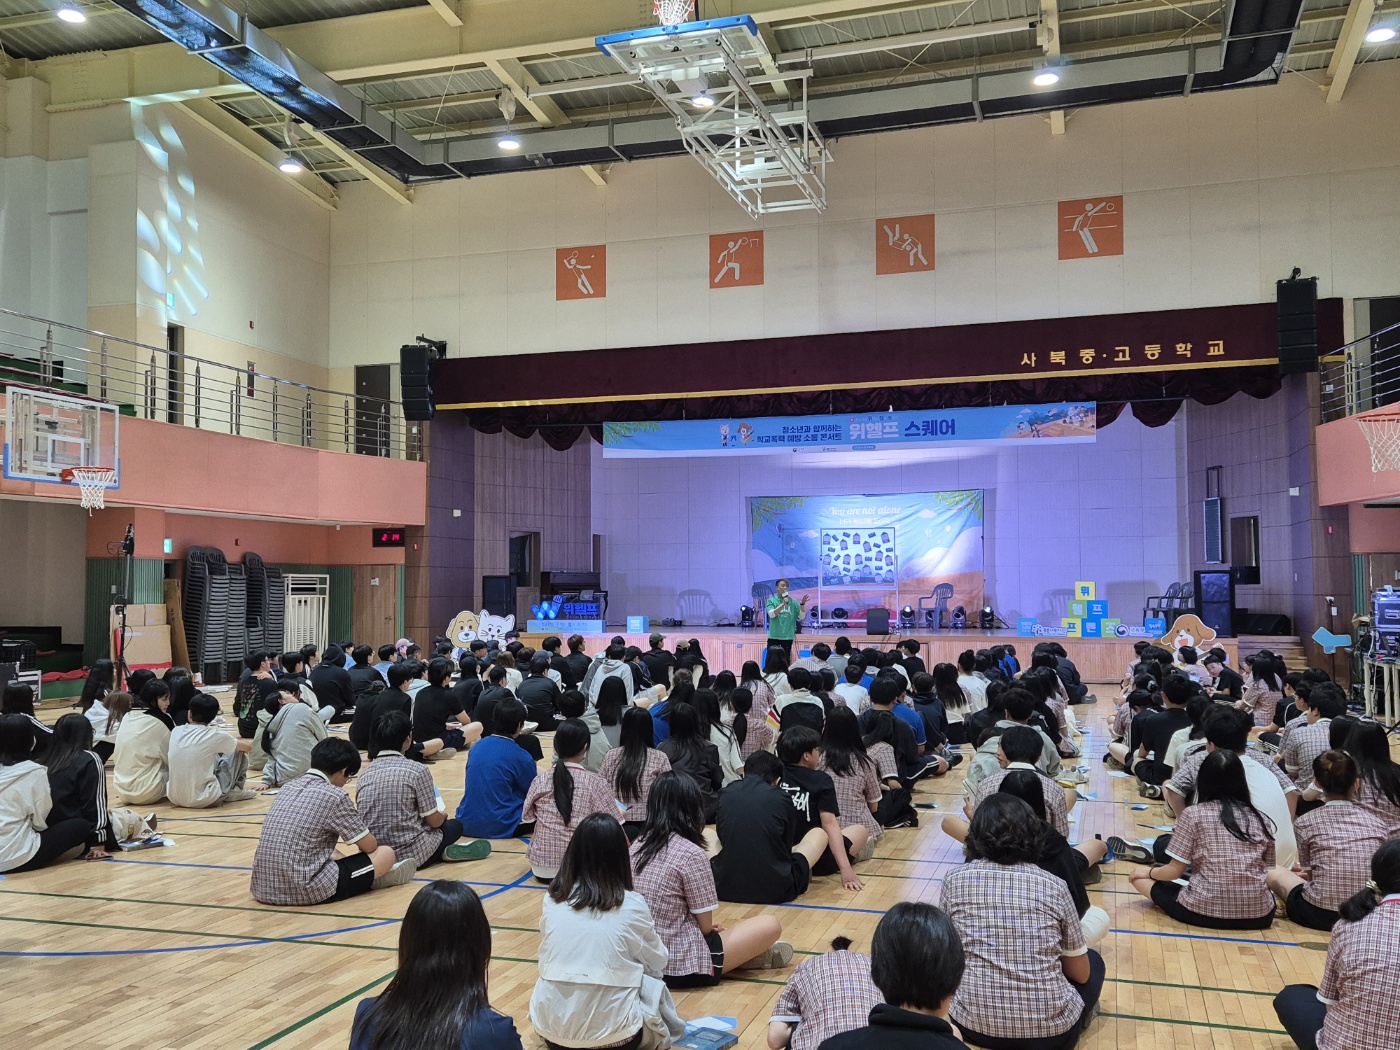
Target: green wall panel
[(104, 574), (340, 613)]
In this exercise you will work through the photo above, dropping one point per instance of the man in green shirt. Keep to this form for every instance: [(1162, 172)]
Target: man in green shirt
[(783, 614)]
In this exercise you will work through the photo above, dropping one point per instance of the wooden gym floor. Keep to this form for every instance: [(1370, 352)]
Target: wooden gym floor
[(166, 948)]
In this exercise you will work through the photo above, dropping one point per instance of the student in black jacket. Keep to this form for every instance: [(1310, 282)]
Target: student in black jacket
[(558, 662), (331, 684), (539, 693), (78, 784), (363, 676), (916, 960)]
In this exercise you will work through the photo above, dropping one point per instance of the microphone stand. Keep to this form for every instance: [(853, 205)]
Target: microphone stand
[(128, 550)]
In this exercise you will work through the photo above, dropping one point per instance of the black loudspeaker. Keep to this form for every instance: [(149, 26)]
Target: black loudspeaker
[(1265, 623), (498, 595), (1297, 325), (415, 381), (877, 621), (1215, 601)]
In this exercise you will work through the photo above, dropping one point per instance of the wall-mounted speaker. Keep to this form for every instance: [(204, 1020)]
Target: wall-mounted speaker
[(1297, 325), (415, 381)]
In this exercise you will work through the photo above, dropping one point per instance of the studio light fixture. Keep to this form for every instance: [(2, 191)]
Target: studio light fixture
[(1046, 78), (959, 618), (986, 619), (72, 14), (1381, 35), (291, 166), (906, 616), (704, 100), (746, 616), (508, 142)]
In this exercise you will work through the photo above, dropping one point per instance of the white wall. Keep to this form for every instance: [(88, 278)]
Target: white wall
[(1224, 193), (1112, 512), (42, 565)]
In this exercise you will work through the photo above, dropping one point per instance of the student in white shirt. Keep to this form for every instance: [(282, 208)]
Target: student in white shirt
[(27, 841), (973, 686), (140, 764), (207, 766), (857, 697), (601, 960), (289, 738)]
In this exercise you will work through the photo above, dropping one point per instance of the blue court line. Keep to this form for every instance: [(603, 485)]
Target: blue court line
[(1206, 937), (517, 884), (199, 947)]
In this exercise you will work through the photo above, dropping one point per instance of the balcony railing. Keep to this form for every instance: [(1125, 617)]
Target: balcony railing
[(1362, 375), (154, 382)]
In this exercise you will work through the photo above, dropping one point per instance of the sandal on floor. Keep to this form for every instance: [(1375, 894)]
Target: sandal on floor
[(1121, 849)]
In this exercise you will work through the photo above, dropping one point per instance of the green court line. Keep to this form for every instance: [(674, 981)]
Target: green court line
[(1189, 987), (1194, 1024), (203, 933), (321, 1012)]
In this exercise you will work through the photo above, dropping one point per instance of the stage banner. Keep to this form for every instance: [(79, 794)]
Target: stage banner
[(1064, 423), (852, 553)]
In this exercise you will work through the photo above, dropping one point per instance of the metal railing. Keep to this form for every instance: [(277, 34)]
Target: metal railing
[(159, 383), (1362, 375)]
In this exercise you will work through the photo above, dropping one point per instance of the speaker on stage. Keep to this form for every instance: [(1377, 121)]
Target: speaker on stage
[(877, 621), (498, 595), (1215, 601)]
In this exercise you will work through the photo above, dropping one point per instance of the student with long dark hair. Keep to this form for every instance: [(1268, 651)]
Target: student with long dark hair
[(751, 729), (27, 839), (1227, 845), (438, 997), (182, 691), (752, 678), (1264, 691), (561, 797), (1032, 982), (96, 690), (1379, 790), (18, 699), (115, 706), (78, 784), (775, 669), (690, 751), (141, 761), (631, 768), (854, 774), (1357, 1006), (956, 704), (612, 702), (671, 870), (1336, 842), (726, 739), (600, 957)]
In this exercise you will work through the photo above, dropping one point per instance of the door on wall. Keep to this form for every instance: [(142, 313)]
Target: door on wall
[(374, 610), (372, 430), (525, 568)]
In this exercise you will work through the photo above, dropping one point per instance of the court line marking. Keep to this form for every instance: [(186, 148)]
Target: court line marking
[(245, 943), (309, 1018), (1194, 1024)]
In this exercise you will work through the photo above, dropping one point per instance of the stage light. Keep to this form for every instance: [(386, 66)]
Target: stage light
[(986, 619), (746, 616), (1046, 78), (291, 166), (839, 615), (906, 616), (959, 618), (508, 142), (1379, 35), (70, 13)]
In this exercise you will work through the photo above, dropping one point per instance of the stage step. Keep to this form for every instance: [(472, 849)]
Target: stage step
[(1288, 646)]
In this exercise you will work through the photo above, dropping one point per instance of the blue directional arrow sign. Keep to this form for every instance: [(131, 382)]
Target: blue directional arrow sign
[(1330, 642)]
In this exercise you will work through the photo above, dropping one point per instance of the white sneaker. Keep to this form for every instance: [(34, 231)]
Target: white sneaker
[(402, 872), (445, 753), (774, 958), (240, 795)]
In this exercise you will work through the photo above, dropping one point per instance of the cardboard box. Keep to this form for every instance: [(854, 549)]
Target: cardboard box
[(146, 647), (155, 615), (1073, 626), (1091, 629), (1079, 609), (1085, 589), (1098, 609), (135, 616)]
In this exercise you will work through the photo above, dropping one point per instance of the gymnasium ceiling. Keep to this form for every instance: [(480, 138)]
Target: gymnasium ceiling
[(436, 69)]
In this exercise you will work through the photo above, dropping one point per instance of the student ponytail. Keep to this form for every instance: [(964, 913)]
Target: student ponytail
[(1385, 880), (570, 739), (840, 944), (741, 703)]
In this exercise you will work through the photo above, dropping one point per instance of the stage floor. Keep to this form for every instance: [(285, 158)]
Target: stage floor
[(726, 648)]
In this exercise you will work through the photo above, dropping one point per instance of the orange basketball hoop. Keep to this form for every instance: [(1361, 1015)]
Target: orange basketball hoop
[(1382, 430), (92, 483)]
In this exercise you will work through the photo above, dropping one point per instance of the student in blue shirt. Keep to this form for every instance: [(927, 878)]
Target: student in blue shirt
[(886, 693), (499, 775)]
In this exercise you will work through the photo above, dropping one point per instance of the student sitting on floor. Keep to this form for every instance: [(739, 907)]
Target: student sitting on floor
[(1305, 742), (78, 784), (601, 958), (1150, 765), (18, 699), (1191, 738), (1018, 747), (1358, 1005), (438, 998), (289, 738), (917, 962), (1227, 845), (1141, 703), (499, 776), (826, 995), (573, 704), (689, 749), (633, 767), (1379, 791), (296, 863), (766, 852), (1075, 866), (855, 775), (751, 729), (208, 767), (813, 795), (435, 705), (670, 869), (140, 766), (886, 695), (1019, 707), (1031, 982), (402, 807), (1335, 845), (27, 840), (96, 689), (558, 799)]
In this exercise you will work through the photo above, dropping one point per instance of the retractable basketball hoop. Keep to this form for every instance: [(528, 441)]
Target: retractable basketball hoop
[(62, 439), (92, 483), (673, 12), (1382, 430)]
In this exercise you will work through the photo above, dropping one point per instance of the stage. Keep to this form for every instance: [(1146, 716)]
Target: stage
[(726, 648)]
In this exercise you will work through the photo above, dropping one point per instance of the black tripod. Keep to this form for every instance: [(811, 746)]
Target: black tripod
[(128, 551)]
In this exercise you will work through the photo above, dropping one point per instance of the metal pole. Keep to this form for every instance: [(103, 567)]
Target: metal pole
[(197, 391), (151, 388), (347, 424), (46, 359), (274, 410), (382, 431), (306, 421), (102, 372)]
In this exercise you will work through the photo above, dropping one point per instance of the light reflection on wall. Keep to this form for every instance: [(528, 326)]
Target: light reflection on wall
[(170, 265)]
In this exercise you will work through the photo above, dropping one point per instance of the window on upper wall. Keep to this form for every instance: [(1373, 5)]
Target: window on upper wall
[(1244, 549)]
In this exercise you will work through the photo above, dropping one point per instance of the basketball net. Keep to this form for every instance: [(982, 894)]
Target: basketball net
[(1383, 435), (92, 484), (672, 12)]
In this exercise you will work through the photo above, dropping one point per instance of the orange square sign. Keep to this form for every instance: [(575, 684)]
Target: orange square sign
[(736, 259), (581, 273), (1091, 228), (904, 244)]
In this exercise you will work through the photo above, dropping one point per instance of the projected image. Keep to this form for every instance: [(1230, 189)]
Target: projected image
[(858, 556)]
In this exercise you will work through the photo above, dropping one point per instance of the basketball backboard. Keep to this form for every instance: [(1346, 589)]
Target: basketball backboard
[(47, 433)]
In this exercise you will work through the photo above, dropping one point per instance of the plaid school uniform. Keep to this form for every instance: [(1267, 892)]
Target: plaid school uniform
[(1122, 718), (1056, 811), (394, 796), (1303, 745), (295, 860), (1262, 701), (1228, 877), (1337, 842), (1358, 982), (855, 790), (759, 736), (1374, 801), (825, 996), (885, 762), (678, 885), (592, 794), (1289, 727), (656, 764), (1183, 781), (1016, 922)]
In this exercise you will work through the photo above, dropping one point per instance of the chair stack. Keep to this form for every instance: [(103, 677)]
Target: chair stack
[(206, 609), (236, 625)]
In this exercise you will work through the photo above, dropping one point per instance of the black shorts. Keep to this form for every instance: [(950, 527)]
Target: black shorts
[(1305, 913), (703, 980), (1081, 862), (801, 878), (827, 865), (1165, 894), (356, 877)]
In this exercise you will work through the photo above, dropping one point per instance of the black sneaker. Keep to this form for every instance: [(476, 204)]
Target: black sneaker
[(905, 823), (954, 760)]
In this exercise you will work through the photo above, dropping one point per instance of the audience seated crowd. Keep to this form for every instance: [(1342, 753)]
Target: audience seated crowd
[(1283, 804)]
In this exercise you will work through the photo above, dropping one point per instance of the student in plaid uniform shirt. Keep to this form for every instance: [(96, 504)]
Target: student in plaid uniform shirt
[(825, 996), (1019, 747), (559, 798), (633, 766), (758, 734), (671, 870), (1306, 742), (1227, 844), (1031, 983), (1379, 792), (1358, 1005), (295, 863), (854, 774), (1335, 847)]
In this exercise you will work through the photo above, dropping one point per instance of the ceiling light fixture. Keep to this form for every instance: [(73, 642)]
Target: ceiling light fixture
[(291, 166), (1046, 78), (704, 100), (1381, 35), (72, 14), (508, 142)]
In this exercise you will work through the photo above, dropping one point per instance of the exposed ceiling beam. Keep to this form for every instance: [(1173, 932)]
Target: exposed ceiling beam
[(907, 40), (1049, 32), (393, 187), (770, 63), (467, 98), (1353, 35), (512, 73), (248, 142), (448, 10), (1132, 7)]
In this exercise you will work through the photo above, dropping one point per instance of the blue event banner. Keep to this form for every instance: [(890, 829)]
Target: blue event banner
[(766, 435)]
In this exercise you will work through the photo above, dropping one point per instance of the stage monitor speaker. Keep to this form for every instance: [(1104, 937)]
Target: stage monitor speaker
[(498, 595), (1297, 325), (1215, 601), (877, 621), (415, 381)]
